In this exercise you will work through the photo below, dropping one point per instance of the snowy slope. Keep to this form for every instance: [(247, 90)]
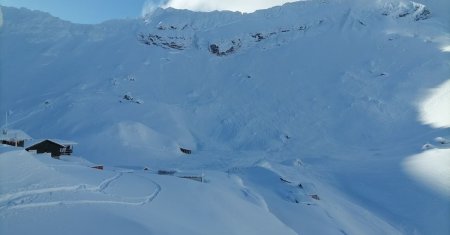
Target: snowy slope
[(371, 79), (334, 83), (73, 199)]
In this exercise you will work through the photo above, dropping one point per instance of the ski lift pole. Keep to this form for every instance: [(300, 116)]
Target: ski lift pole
[(5, 130)]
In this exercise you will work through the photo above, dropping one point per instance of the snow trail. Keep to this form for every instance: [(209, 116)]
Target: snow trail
[(24, 199)]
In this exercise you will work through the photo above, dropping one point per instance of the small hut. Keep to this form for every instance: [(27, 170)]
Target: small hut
[(55, 147), (15, 138)]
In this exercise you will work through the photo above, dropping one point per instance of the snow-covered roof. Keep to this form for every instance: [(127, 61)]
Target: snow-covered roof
[(57, 141), (63, 142), (14, 135)]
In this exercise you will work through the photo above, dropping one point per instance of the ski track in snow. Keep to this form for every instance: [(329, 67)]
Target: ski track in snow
[(7, 200)]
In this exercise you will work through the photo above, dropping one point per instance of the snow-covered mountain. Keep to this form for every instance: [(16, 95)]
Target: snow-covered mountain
[(310, 98)]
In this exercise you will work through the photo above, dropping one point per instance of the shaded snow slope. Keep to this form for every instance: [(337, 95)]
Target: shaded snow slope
[(331, 82)]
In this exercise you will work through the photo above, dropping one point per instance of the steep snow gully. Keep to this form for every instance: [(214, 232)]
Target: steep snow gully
[(315, 117)]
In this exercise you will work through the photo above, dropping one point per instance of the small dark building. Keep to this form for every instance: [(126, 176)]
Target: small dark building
[(55, 147)]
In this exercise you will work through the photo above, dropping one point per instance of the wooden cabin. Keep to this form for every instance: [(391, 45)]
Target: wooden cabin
[(15, 138), (55, 147)]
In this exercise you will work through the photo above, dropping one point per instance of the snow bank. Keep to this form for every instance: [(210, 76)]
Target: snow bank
[(435, 107), (432, 168)]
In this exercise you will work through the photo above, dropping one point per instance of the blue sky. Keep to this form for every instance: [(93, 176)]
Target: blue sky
[(83, 11)]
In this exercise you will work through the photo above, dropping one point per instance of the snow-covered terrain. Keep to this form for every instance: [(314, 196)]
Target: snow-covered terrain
[(316, 117)]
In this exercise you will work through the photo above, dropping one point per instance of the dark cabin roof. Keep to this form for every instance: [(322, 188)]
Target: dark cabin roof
[(61, 143)]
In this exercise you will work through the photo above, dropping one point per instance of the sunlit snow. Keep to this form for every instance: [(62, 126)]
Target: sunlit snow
[(435, 107), (431, 167)]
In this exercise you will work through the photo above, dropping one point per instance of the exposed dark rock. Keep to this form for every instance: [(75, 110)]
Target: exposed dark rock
[(128, 97), (304, 27), (166, 43), (215, 49), (425, 14), (285, 181), (403, 14), (258, 36), (185, 151), (419, 12)]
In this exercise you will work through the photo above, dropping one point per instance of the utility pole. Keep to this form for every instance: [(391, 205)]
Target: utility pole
[(5, 130)]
